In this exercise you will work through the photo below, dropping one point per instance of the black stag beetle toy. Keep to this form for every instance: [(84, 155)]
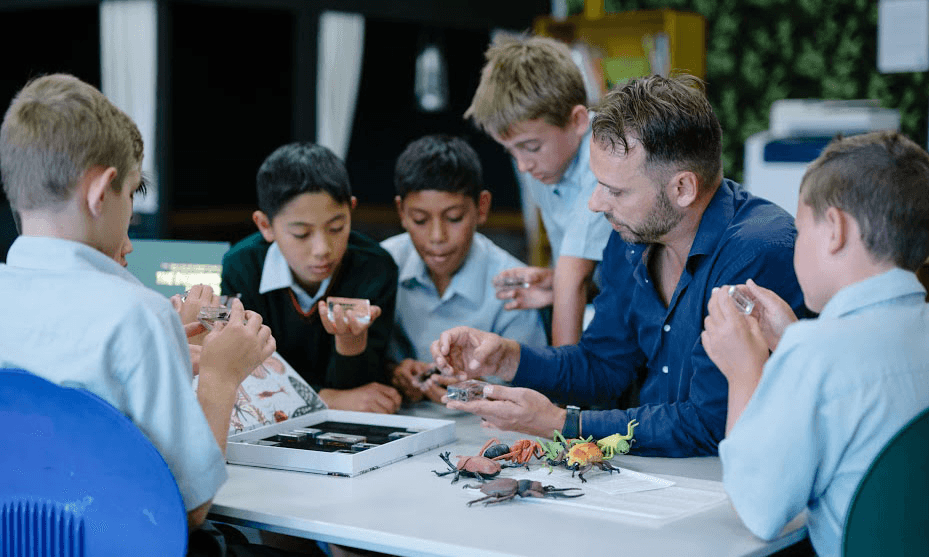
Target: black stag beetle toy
[(504, 489)]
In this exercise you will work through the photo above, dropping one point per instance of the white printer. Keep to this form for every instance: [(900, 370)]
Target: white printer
[(776, 159)]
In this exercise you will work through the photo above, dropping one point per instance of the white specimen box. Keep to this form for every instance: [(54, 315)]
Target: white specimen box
[(426, 434)]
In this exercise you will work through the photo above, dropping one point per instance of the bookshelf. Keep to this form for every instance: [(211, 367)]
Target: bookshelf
[(636, 43)]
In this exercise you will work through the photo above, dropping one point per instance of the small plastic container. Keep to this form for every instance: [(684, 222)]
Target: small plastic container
[(209, 316), (472, 389), (360, 308), (744, 303), (510, 283)]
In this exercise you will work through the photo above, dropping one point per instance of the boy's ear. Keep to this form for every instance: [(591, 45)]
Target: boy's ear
[(263, 223), (579, 119), (398, 203), (483, 206), (96, 184), (839, 225), (685, 188), (353, 203)]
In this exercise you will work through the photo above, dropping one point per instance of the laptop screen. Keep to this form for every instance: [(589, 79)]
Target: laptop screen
[(173, 266)]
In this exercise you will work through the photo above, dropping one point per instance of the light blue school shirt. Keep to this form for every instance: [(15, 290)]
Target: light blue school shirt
[(830, 397), (572, 228), (470, 300), (77, 318)]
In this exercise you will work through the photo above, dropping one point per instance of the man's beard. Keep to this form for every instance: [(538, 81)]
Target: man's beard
[(661, 220)]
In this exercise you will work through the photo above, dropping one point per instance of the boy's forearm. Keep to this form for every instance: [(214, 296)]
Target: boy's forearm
[(570, 287), (217, 399)]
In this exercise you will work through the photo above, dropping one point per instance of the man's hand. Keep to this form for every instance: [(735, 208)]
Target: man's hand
[(772, 312), (373, 397), (235, 348), (469, 353), (351, 334), (199, 295), (514, 409), (536, 294)]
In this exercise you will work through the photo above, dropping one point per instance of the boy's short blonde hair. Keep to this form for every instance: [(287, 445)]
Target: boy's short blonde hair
[(56, 128), (526, 78), (881, 179)]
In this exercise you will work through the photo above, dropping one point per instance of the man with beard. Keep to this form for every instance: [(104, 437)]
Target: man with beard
[(680, 230)]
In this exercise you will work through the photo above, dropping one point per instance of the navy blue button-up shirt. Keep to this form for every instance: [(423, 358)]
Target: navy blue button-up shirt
[(635, 339)]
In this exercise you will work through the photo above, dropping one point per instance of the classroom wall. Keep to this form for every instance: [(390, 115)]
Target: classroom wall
[(759, 51)]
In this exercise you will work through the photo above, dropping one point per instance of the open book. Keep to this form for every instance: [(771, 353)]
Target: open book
[(274, 392)]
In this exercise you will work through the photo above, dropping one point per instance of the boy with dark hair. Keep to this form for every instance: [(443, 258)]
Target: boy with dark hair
[(446, 266), (305, 251), (806, 422), (70, 162), (531, 100)]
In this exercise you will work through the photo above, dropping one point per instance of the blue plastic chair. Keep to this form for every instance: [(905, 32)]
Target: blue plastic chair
[(889, 513), (78, 478)]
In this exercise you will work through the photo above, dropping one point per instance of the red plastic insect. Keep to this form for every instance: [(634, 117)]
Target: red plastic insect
[(522, 451)]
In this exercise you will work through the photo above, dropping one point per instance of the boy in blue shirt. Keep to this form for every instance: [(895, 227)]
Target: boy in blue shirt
[(532, 101), (304, 252), (446, 266), (805, 422)]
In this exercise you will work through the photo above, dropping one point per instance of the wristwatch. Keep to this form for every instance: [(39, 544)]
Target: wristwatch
[(572, 423)]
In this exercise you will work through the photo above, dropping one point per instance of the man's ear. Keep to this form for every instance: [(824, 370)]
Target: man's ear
[(263, 223), (96, 183), (839, 228), (685, 188), (483, 206)]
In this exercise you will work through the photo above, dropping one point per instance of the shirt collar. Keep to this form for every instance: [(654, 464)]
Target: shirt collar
[(276, 274), (580, 164), (467, 282), (876, 290), (58, 254)]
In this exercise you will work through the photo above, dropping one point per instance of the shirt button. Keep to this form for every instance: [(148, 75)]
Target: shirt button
[(667, 328), (664, 369)]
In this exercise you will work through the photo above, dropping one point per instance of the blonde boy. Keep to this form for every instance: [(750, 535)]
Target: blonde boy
[(531, 100), (70, 163)]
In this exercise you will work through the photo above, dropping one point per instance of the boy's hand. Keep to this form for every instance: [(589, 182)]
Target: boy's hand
[(470, 353), (192, 330), (199, 295), (514, 409), (773, 313), (533, 292), (733, 340), (373, 397), (351, 335), (406, 377), (236, 348)]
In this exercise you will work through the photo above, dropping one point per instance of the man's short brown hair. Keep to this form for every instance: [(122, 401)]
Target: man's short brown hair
[(671, 118), (881, 179), (56, 128), (526, 78)]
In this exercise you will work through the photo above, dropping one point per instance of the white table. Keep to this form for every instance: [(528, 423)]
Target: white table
[(405, 509)]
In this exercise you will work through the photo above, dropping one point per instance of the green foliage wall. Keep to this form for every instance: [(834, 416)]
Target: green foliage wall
[(759, 51)]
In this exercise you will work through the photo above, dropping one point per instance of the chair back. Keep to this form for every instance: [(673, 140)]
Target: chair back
[(78, 478), (889, 513)]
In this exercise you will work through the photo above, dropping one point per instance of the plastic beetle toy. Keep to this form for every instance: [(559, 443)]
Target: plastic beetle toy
[(504, 489), (479, 467), (582, 455), (617, 444), (522, 451)]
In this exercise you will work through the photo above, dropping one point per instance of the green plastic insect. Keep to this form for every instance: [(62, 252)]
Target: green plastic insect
[(617, 444)]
